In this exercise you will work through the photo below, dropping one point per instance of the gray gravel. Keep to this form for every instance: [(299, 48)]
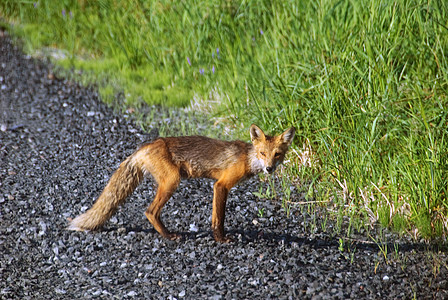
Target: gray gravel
[(58, 147)]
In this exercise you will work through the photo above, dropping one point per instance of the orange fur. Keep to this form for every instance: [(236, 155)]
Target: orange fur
[(171, 159)]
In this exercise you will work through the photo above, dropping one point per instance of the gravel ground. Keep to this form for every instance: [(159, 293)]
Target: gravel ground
[(58, 147)]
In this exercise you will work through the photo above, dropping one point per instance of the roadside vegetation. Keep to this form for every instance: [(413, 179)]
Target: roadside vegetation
[(364, 82)]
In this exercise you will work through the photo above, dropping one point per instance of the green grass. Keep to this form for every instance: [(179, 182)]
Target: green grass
[(364, 82)]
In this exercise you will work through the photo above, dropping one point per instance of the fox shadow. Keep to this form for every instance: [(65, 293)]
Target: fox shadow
[(285, 239), (270, 238)]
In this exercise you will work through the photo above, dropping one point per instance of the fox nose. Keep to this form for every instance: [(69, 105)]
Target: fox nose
[(269, 169)]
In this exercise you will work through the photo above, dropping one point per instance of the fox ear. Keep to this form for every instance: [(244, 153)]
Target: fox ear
[(256, 133), (288, 136)]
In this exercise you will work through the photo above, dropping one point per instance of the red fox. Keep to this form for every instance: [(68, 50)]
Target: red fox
[(171, 159)]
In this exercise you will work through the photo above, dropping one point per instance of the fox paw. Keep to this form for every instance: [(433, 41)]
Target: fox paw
[(224, 239), (173, 236)]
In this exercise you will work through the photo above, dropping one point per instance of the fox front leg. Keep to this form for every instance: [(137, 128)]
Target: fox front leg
[(220, 192)]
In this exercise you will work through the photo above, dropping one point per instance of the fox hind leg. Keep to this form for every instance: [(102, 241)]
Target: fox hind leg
[(165, 190), (155, 159)]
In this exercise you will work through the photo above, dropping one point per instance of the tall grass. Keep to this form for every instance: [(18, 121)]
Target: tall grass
[(364, 82)]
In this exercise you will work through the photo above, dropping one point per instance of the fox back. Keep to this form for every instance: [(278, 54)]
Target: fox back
[(199, 156)]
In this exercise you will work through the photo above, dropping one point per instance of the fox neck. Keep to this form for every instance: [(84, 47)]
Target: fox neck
[(256, 165)]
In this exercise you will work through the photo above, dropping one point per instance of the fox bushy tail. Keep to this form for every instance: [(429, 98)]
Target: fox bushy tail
[(122, 183)]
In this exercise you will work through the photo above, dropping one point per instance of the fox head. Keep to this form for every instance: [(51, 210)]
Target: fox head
[(270, 150)]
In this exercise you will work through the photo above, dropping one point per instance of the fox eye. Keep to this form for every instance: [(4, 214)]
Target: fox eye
[(263, 154), (277, 154)]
